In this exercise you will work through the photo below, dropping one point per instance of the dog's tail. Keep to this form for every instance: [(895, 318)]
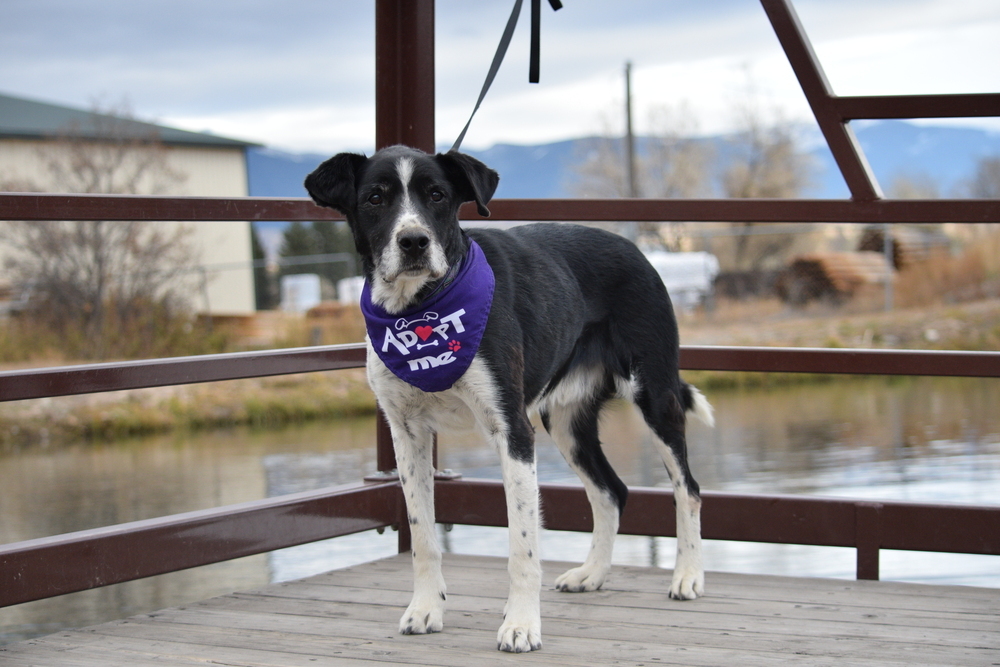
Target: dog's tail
[(697, 405)]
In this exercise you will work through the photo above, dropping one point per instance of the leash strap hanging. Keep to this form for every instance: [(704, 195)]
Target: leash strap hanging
[(508, 33)]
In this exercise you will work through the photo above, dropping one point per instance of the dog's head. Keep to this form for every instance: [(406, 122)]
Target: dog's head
[(402, 205)]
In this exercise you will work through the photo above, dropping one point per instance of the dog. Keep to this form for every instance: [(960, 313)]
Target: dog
[(575, 316)]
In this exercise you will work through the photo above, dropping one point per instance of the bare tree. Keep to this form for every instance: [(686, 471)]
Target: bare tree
[(601, 171), (763, 159), (96, 281), (671, 163), (675, 164), (918, 185), (985, 183)]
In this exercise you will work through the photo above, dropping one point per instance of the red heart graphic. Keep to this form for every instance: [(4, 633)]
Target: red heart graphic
[(424, 332)]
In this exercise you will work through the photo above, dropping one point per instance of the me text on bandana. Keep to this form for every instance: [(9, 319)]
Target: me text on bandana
[(432, 345)]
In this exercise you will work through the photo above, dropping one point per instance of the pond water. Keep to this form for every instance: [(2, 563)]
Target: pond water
[(914, 439)]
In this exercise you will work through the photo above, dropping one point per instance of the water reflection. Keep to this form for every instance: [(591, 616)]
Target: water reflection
[(933, 440)]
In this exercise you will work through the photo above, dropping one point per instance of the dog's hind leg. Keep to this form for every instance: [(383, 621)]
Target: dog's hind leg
[(413, 443), (574, 430), (664, 411)]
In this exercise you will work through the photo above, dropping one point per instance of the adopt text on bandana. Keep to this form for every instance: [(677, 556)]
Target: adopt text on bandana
[(407, 341)]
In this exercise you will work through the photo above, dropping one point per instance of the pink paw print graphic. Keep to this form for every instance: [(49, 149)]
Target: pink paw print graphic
[(454, 345)]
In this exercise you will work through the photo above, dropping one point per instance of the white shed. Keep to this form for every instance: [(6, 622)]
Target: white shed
[(688, 276)]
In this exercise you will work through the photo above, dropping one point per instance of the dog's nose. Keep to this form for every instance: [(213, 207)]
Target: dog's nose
[(413, 242)]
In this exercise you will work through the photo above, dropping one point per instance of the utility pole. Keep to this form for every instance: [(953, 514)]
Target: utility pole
[(629, 230), (888, 251), (633, 190)]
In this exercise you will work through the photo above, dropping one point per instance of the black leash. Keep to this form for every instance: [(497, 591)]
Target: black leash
[(508, 33)]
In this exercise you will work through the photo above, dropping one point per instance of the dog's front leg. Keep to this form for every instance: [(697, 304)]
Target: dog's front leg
[(413, 444), (521, 630)]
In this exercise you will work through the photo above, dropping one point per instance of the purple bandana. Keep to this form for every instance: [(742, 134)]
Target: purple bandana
[(432, 345)]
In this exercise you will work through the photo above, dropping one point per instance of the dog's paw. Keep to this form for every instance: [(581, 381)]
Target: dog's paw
[(514, 637), (688, 583), (422, 617), (581, 579)]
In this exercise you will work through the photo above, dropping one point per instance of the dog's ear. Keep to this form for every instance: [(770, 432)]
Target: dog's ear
[(473, 180), (332, 184)]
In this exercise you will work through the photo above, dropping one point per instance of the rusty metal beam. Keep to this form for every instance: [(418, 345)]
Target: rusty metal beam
[(53, 566), (743, 210), (839, 137), (918, 106), (832, 522), (47, 206), (404, 73), (138, 207), (778, 519), (92, 378), (850, 361)]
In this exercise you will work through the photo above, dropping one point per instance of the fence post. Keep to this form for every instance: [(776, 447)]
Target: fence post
[(868, 538), (385, 455), (404, 73)]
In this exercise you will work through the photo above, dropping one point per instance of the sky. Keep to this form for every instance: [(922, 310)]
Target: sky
[(298, 75)]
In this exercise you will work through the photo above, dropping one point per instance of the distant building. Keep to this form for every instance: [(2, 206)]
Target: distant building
[(209, 166)]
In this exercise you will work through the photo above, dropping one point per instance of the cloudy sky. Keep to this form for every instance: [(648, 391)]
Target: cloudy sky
[(298, 74)]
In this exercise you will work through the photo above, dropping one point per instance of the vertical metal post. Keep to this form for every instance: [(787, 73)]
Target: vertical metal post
[(385, 456), (404, 114), (839, 136), (889, 250), (630, 228), (404, 73), (633, 191), (868, 538)]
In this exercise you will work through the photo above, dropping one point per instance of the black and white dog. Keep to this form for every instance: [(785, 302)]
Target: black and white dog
[(577, 317)]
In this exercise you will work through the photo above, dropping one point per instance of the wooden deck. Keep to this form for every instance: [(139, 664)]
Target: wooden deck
[(348, 617)]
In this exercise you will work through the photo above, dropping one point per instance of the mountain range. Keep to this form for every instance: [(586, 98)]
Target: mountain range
[(943, 157)]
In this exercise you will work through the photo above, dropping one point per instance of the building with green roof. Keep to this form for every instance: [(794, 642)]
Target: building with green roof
[(39, 142)]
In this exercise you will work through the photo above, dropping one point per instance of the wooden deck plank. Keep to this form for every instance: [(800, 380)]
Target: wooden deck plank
[(690, 617), (651, 591), (349, 617), (705, 628), (395, 590), (847, 587), (265, 615), (457, 646)]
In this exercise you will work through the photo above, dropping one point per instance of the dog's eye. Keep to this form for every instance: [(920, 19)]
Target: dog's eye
[(436, 195), (375, 199)]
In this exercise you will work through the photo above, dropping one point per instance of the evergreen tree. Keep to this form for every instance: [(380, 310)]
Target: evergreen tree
[(265, 296), (298, 241), (323, 237), (334, 238)]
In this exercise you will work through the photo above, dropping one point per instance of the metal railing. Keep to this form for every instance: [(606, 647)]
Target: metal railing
[(405, 114)]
